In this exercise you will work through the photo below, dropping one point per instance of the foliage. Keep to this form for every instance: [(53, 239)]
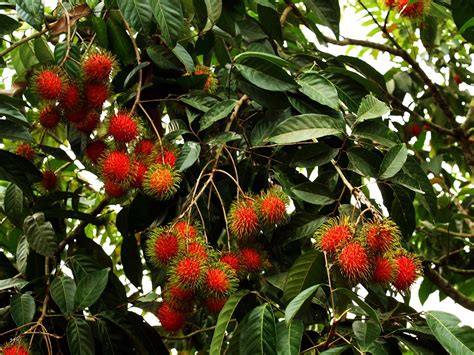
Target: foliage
[(243, 104)]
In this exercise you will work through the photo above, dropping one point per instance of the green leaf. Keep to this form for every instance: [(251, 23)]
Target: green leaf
[(90, 288), (216, 113), (266, 75), (319, 89), (327, 11), (366, 333), (19, 171), (131, 260), (376, 132), (32, 11), (364, 306), (42, 51), (402, 211), (463, 14), (63, 289), (259, 336), (169, 15), (445, 327), (22, 251), (295, 305), (79, 337), (289, 337), (393, 161), (305, 127), (270, 21), (306, 271), (13, 204), (12, 113), (119, 41), (184, 57), (407, 181), (40, 234), (371, 107), (261, 55), (467, 25), (22, 308), (314, 193), (7, 25), (14, 131), (214, 10), (312, 155), (222, 138), (137, 13), (188, 156), (133, 72), (363, 161), (223, 320), (12, 282)]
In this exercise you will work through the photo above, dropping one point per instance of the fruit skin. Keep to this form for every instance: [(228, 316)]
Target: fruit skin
[(414, 10), (166, 155), (243, 219), (144, 148), (95, 150), (232, 260), (123, 127), (26, 151), (251, 260), (70, 97), (187, 272), (89, 123), (139, 171), (220, 279), (48, 84), (390, 3), (171, 319), (215, 305), (457, 79), (381, 237), (113, 189), (185, 230), (333, 234), (96, 94), (116, 166), (407, 270), (383, 270), (49, 116), (98, 66), (163, 246), (50, 180), (354, 261), (271, 207), (161, 181), (14, 349), (198, 249), (415, 129), (76, 115)]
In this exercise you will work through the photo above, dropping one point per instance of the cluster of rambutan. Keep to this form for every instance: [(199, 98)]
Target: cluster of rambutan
[(414, 10), (14, 349), (370, 254), (210, 84)]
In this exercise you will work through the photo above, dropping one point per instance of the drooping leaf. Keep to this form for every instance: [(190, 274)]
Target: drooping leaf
[(214, 10), (296, 303), (327, 11), (314, 193), (14, 131), (445, 327), (289, 337), (79, 337), (188, 155), (402, 211), (137, 13), (13, 204), (169, 16), (259, 336), (393, 161), (22, 308), (63, 289), (363, 161), (365, 307), (319, 89), (463, 14), (7, 25), (366, 333), (32, 11), (12, 282), (216, 113), (90, 287), (377, 132), (40, 234), (22, 251), (131, 260), (371, 107)]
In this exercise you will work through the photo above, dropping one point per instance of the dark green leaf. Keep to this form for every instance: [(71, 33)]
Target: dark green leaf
[(377, 132), (289, 337), (184, 57), (363, 161), (119, 41), (445, 327), (214, 10), (319, 89), (310, 156), (169, 15), (371, 107), (90, 288), (137, 13), (259, 336), (12, 282), (327, 11), (270, 21), (314, 193), (14, 131), (32, 11), (13, 204), (63, 289), (188, 156), (216, 113), (7, 25), (22, 251), (296, 303), (463, 13), (365, 307), (12, 113), (19, 171), (40, 234), (130, 256), (22, 308), (366, 333), (402, 211), (79, 337), (393, 161)]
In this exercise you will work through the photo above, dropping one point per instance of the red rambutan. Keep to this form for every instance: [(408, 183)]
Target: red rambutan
[(113, 189), (163, 246), (407, 270), (243, 219), (77, 115), (457, 79), (116, 166), (123, 127), (161, 181), (413, 10), (217, 280), (49, 180), (98, 66), (185, 230), (232, 260), (381, 236), (180, 294), (198, 249), (49, 116), (166, 156), (96, 94), (251, 259), (14, 349), (139, 171), (188, 272), (389, 3), (215, 304), (171, 319), (26, 151), (271, 207), (332, 234), (70, 97), (383, 270), (89, 122), (144, 148), (94, 150), (48, 84), (211, 82), (354, 261)]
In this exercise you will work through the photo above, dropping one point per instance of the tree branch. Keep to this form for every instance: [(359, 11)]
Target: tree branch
[(21, 41)]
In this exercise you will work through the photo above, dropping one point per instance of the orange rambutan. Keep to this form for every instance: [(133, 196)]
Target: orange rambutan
[(49, 116), (198, 249), (211, 82), (95, 150), (98, 66), (70, 97), (220, 279), (14, 349), (163, 246), (76, 115), (161, 181), (381, 236), (354, 261), (48, 84), (243, 219), (49, 180), (25, 150), (271, 207), (390, 3), (116, 166), (171, 319), (383, 270), (113, 189), (407, 270), (185, 230), (332, 234), (123, 127), (96, 94)]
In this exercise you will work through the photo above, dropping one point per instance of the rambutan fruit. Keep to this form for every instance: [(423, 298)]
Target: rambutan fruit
[(251, 259), (144, 148), (198, 249), (407, 270), (70, 97), (185, 230), (14, 349), (25, 150), (123, 127), (95, 150), (161, 181), (271, 207), (354, 261), (214, 304), (381, 236), (179, 293), (211, 83), (96, 94), (457, 79), (171, 319), (49, 116), (187, 272), (383, 270), (220, 279), (179, 298), (49, 180), (413, 10), (138, 175), (89, 123), (332, 234), (232, 260), (48, 84), (113, 189), (98, 66), (76, 115), (166, 156), (390, 3), (116, 166), (243, 219), (163, 246)]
